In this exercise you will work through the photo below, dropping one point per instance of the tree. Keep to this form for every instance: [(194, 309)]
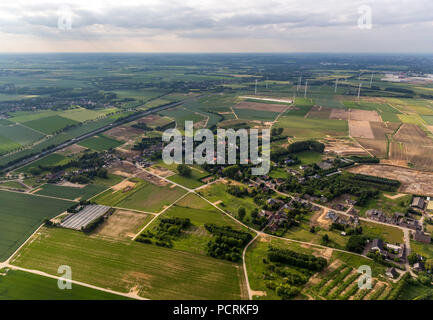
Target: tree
[(412, 258), (184, 170), (241, 213), (356, 243), (429, 264), (231, 171), (325, 238)]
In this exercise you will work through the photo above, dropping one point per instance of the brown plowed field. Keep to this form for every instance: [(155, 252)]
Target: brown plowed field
[(360, 129), (261, 106)]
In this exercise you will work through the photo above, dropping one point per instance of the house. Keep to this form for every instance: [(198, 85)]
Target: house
[(377, 245), (266, 214), (418, 203), (272, 201), (418, 266), (392, 273), (422, 237)]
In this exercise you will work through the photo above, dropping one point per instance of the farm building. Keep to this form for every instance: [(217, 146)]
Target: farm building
[(81, 219), (418, 203)]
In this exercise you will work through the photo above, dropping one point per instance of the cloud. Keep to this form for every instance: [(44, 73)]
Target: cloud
[(314, 25)]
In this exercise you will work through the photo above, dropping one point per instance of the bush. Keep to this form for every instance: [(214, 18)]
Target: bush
[(184, 170)]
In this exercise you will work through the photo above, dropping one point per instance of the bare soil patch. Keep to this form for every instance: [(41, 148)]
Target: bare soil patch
[(124, 185), (364, 115), (320, 112), (122, 224), (413, 181), (153, 179), (343, 147), (65, 183), (161, 171), (124, 133), (360, 129), (125, 167), (377, 147)]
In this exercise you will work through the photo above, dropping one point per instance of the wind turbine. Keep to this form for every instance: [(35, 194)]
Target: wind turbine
[(306, 85), (371, 80), (299, 83), (336, 85), (359, 90), (255, 89)]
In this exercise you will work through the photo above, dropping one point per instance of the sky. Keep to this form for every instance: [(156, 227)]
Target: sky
[(216, 26)]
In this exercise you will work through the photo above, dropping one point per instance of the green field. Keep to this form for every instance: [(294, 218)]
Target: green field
[(20, 134), (217, 193), (71, 192), (82, 114), (145, 196), (200, 212), (100, 143), (155, 272), (387, 233), (7, 145), (20, 215), (53, 159), (385, 204), (307, 128), (424, 249), (192, 181), (50, 124), (20, 285), (255, 114)]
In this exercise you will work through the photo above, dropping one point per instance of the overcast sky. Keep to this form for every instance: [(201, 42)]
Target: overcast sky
[(216, 26)]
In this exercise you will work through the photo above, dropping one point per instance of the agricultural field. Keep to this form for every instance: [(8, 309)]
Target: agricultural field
[(301, 128), (133, 267), (217, 194), (81, 114), (21, 214), (192, 181), (72, 193), (338, 280), (50, 160), (20, 134), (49, 125), (100, 143), (141, 195), (20, 285), (123, 224), (195, 238), (7, 145)]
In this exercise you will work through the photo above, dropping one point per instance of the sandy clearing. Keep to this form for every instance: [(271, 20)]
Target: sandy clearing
[(360, 129), (413, 181), (123, 185)]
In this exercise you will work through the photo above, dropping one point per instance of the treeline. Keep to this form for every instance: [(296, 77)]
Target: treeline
[(398, 289), (146, 143), (301, 260), (377, 180), (168, 230), (365, 159), (227, 242), (142, 126), (308, 145)]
